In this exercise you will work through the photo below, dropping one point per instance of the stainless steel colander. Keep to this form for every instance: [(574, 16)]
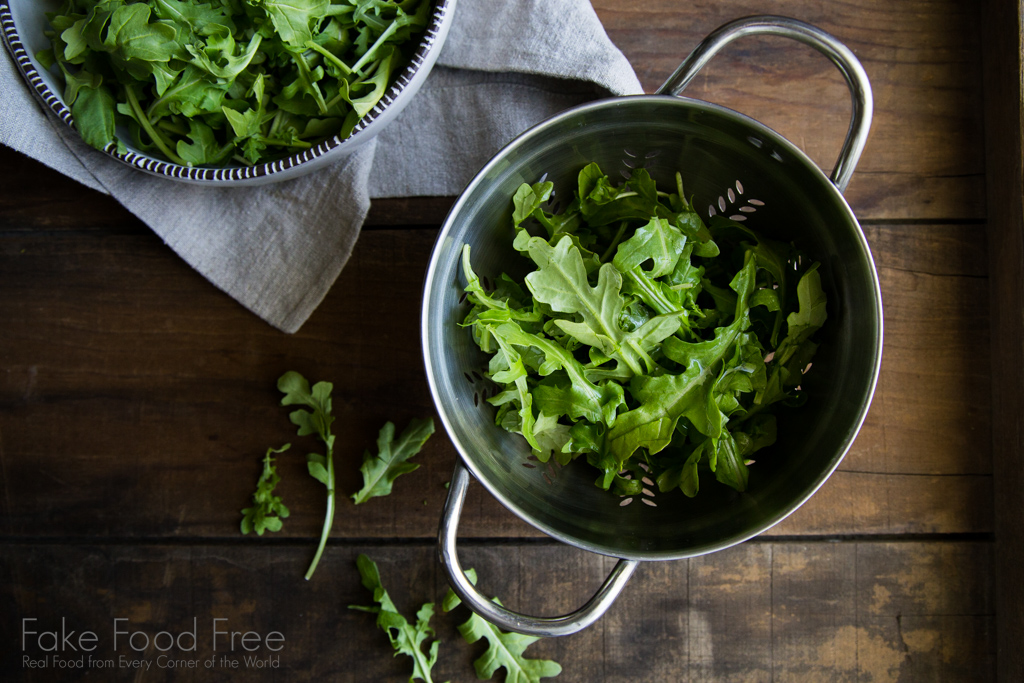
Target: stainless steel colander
[(735, 166)]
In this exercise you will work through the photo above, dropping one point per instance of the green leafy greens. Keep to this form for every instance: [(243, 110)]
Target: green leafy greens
[(267, 510), (297, 391), (381, 470), (406, 638), (644, 337), (504, 650), (207, 82)]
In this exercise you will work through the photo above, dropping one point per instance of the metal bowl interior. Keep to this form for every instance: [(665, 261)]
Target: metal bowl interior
[(23, 22), (730, 164)]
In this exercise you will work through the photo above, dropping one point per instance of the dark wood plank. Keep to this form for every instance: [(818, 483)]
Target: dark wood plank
[(1004, 146), (127, 372), (924, 158), (757, 612)]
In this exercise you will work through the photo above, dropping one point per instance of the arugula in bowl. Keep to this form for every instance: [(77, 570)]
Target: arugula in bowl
[(645, 341), (213, 82)]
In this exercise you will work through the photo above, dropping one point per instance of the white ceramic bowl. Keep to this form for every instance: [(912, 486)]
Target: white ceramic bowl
[(22, 23)]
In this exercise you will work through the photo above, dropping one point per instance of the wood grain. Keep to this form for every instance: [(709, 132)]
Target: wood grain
[(136, 401), (1004, 146), (127, 372), (924, 158), (756, 612)]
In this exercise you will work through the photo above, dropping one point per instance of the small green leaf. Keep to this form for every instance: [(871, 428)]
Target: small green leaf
[(451, 600), (407, 639), (561, 282), (391, 461), (505, 651), (658, 241), (317, 470), (293, 19), (528, 199), (93, 110), (731, 469), (267, 509)]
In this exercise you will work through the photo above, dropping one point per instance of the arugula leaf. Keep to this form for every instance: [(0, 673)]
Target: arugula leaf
[(451, 600), (202, 146), (381, 470), (665, 399), (504, 650), (811, 314), (293, 18), (658, 242), (94, 108), (584, 399), (267, 510), (602, 203), (796, 350), (561, 282), (297, 391), (686, 477), (407, 639), (528, 199), (731, 469)]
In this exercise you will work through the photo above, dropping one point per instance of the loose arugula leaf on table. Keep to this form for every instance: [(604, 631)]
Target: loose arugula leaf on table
[(407, 639), (642, 335), (297, 391), (504, 650), (267, 510), (162, 67), (392, 458)]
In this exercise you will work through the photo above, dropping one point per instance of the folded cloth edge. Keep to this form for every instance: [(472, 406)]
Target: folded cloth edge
[(278, 249)]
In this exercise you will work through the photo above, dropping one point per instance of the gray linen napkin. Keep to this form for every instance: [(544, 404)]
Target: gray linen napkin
[(278, 248)]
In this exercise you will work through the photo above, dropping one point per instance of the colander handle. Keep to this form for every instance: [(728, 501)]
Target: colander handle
[(501, 617), (839, 54)]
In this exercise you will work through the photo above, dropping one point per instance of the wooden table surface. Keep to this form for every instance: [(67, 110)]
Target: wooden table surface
[(136, 401)]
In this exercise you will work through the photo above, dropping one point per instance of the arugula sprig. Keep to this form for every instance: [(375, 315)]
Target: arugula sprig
[(504, 650), (297, 391), (643, 336), (267, 510), (381, 470), (407, 639)]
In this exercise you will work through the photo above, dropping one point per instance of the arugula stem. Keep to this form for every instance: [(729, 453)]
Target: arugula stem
[(369, 54), (359, 82), (288, 143), (172, 127), (329, 515), (422, 665), (679, 188), (615, 242), (651, 295), (275, 123), (313, 87), (330, 56), (144, 121)]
